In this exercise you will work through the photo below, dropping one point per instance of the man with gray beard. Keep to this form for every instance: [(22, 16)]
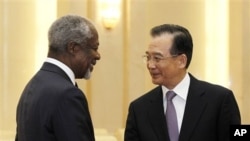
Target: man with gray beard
[(52, 107)]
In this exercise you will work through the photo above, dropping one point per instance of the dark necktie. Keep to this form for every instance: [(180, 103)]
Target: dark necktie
[(171, 117), (76, 85)]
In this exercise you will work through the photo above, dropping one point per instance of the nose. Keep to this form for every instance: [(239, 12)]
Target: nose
[(150, 64)]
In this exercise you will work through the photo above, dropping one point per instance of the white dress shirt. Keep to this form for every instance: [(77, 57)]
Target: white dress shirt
[(64, 67), (179, 100)]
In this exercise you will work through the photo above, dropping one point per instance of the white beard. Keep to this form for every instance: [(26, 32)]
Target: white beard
[(87, 74)]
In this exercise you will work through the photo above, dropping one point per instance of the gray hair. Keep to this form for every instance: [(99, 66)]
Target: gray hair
[(69, 28)]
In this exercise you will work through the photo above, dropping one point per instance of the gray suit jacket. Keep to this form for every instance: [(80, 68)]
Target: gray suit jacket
[(209, 112), (51, 108)]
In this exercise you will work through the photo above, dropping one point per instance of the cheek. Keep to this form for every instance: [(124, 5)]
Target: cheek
[(81, 63), (170, 71), (84, 65), (83, 59), (163, 68), (166, 71)]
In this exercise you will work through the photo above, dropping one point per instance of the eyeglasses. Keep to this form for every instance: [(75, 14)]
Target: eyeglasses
[(155, 58)]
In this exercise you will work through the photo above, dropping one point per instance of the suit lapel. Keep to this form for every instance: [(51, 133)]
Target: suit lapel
[(193, 110), (156, 114)]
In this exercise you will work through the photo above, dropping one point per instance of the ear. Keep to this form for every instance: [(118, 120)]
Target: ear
[(72, 47), (182, 61)]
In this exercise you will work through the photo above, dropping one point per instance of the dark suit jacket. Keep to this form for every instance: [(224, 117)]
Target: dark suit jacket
[(209, 111), (51, 108)]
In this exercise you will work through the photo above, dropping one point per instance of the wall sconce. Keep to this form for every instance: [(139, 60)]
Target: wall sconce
[(110, 12)]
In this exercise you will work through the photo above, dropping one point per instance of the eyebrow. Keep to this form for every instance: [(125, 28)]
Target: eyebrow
[(95, 45), (154, 53)]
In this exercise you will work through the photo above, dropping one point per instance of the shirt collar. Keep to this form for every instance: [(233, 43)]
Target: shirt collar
[(64, 67), (181, 89)]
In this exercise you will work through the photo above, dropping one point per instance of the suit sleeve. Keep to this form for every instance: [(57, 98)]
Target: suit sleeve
[(131, 132), (229, 115), (72, 120)]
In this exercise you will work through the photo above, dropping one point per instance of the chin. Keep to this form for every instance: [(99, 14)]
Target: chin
[(156, 82), (87, 74), (86, 78)]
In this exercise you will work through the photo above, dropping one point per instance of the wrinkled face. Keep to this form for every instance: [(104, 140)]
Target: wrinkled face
[(85, 58), (163, 67)]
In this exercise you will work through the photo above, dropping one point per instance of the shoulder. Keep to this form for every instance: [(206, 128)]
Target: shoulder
[(208, 88), (152, 95), (53, 85)]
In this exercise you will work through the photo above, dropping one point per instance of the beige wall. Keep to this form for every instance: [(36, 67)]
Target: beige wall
[(239, 54), (246, 63), (120, 76), (17, 57)]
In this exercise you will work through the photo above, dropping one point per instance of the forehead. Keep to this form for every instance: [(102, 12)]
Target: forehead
[(94, 40), (161, 44)]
